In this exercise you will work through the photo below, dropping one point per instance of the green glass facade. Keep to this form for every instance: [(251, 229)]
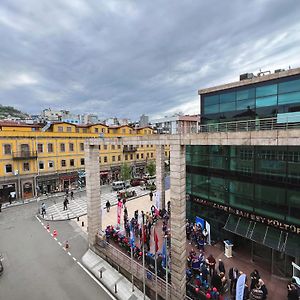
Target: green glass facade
[(264, 100)]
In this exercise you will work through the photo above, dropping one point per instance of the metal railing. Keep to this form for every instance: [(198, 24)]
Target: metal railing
[(122, 260), (249, 125), (25, 154)]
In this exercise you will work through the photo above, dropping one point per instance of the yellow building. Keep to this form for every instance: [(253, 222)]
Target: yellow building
[(38, 158)]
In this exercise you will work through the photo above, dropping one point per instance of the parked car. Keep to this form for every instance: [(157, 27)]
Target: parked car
[(138, 181), (120, 185), (1, 265)]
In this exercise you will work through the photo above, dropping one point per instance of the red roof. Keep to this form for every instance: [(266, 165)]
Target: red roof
[(18, 124)]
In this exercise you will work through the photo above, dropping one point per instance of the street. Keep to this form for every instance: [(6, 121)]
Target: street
[(36, 266)]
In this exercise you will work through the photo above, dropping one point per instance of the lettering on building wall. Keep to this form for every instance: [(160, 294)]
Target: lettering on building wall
[(254, 217)]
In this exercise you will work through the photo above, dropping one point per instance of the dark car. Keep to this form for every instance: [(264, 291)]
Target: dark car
[(137, 181), (1, 265)]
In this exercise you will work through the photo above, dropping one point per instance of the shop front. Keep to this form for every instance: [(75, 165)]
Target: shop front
[(5, 190), (104, 177), (48, 184), (27, 190), (68, 180)]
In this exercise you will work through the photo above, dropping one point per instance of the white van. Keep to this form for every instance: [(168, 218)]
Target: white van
[(119, 185)]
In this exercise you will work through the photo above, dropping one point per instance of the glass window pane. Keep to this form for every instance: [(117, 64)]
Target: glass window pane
[(211, 109), (228, 97), (266, 90), (209, 100), (289, 86), (245, 94), (289, 98), (266, 101), (227, 106), (246, 104), (293, 199)]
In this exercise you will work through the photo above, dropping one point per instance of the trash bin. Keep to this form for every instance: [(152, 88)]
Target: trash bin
[(228, 248)]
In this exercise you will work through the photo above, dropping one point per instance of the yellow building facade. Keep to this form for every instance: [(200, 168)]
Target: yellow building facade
[(37, 159)]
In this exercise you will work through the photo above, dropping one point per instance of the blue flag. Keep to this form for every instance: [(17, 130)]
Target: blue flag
[(131, 236), (164, 255)]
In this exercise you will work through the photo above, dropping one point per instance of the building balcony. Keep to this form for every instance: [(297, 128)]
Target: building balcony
[(128, 149), (19, 155)]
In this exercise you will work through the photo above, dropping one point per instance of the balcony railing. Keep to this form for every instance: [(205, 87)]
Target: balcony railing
[(25, 155), (249, 125), (127, 149)]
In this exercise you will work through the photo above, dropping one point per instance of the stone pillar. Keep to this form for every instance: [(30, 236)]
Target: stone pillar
[(178, 220), (160, 175), (92, 170)]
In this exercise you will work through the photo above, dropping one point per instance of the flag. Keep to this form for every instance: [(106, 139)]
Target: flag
[(240, 286), (131, 236), (164, 255), (156, 241)]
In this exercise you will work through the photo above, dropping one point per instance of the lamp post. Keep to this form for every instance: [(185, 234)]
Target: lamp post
[(19, 183)]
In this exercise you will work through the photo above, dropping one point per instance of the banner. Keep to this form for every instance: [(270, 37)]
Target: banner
[(119, 211), (200, 221), (240, 286), (157, 199)]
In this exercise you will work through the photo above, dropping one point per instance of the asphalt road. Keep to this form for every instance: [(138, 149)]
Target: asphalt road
[(36, 266)]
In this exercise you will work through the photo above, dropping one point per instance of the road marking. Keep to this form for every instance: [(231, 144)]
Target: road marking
[(55, 238), (74, 258), (51, 234), (64, 248), (108, 292), (59, 243), (69, 253), (42, 223), (45, 227), (39, 220)]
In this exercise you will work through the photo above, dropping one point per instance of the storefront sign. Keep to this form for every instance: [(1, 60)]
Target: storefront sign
[(249, 215)]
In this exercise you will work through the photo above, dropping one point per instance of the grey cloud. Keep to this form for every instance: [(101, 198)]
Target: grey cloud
[(125, 58)]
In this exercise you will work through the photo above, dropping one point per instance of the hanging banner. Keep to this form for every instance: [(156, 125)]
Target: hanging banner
[(240, 286), (157, 199), (119, 211)]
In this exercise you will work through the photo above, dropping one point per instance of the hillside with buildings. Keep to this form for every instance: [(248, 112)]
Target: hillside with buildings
[(11, 112)]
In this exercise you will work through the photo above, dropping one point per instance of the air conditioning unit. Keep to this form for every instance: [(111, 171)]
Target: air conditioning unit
[(246, 76), (279, 70)]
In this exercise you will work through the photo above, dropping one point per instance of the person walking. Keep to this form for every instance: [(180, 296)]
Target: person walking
[(256, 293), (211, 261), (151, 196), (43, 209), (221, 266), (263, 288), (66, 202), (72, 195), (233, 276), (254, 279), (107, 206)]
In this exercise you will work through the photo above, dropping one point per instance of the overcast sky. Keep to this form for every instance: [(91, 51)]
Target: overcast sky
[(127, 58)]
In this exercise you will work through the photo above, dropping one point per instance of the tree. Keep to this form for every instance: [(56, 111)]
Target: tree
[(125, 172), (151, 168)]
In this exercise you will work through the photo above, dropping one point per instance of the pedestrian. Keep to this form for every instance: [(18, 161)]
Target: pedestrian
[(107, 206), (43, 209), (0, 206), (151, 196), (124, 201), (221, 266), (254, 279), (66, 201), (72, 195), (233, 276), (256, 293), (67, 192), (263, 288), (292, 290), (211, 261)]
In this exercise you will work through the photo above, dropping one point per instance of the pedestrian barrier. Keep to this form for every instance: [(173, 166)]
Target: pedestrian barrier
[(48, 227), (67, 245), (54, 233)]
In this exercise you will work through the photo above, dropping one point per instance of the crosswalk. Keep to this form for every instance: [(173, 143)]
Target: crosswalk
[(78, 206)]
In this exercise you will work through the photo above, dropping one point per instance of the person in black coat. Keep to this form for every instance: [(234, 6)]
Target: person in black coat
[(221, 266), (233, 276)]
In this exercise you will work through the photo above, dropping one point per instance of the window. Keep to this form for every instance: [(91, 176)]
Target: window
[(131, 156), (69, 129), (289, 86), (8, 168), (227, 98), (50, 147), (151, 154), (112, 147), (211, 109), (84, 130), (245, 94), (77, 130), (105, 147), (71, 147), (41, 165), (210, 100), (266, 101), (119, 157), (103, 130), (123, 130), (72, 163), (147, 155), (7, 149), (40, 148), (81, 146), (82, 161), (142, 155), (113, 158), (289, 98), (26, 166), (137, 156), (119, 146), (60, 129), (266, 90), (62, 147), (51, 164), (96, 130), (126, 157), (63, 163), (105, 159), (99, 147)]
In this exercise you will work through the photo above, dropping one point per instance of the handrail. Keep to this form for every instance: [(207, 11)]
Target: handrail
[(249, 125)]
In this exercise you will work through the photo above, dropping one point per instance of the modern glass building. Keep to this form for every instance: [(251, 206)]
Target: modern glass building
[(250, 194)]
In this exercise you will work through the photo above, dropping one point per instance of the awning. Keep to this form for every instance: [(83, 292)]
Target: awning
[(271, 237)]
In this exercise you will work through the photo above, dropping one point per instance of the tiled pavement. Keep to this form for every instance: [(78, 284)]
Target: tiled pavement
[(78, 206)]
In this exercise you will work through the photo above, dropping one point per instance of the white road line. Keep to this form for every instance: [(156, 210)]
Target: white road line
[(74, 258), (42, 223), (59, 243), (69, 253), (108, 292), (55, 238), (51, 233), (45, 227), (64, 248)]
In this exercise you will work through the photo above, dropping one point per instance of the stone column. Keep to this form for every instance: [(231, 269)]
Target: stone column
[(178, 220), (92, 170), (160, 174)]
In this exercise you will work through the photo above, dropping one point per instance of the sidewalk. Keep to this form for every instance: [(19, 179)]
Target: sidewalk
[(117, 284)]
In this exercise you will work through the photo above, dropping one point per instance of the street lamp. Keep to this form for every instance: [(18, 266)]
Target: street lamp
[(19, 183)]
